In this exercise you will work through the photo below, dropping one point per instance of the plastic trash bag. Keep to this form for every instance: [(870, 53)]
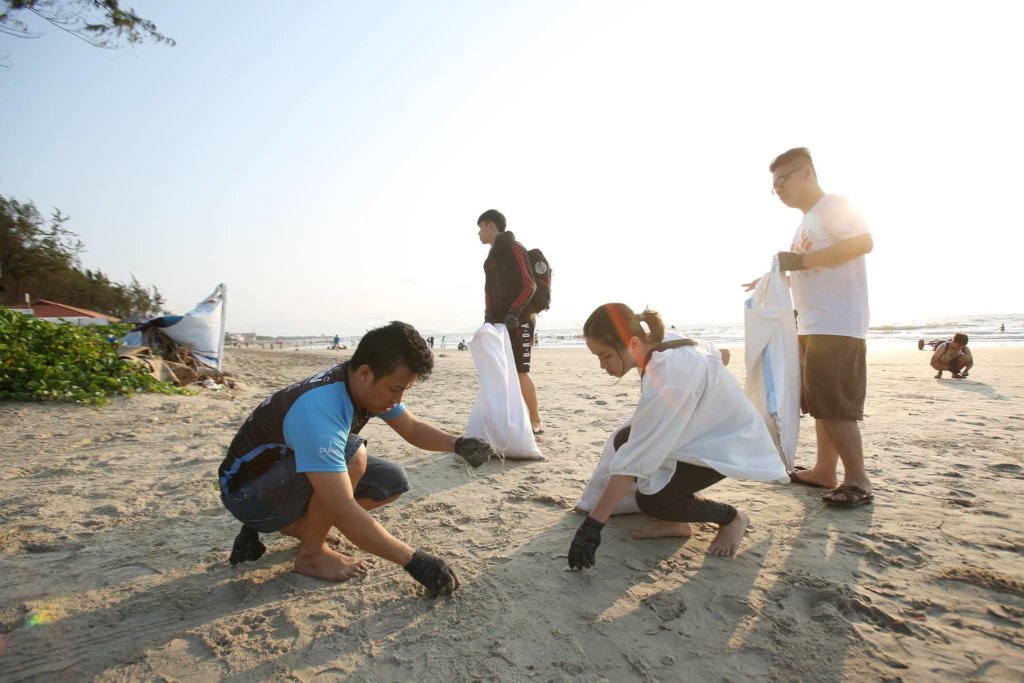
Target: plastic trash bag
[(599, 480), (499, 415), (772, 357)]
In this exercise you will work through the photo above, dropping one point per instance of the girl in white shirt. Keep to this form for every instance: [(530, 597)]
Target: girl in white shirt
[(692, 427)]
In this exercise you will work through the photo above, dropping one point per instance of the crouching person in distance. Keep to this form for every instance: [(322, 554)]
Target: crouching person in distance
[(692, 427), (297, 466)]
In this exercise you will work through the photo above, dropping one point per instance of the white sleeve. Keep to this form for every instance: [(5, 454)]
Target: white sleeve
[(842, 220), (661, 418)]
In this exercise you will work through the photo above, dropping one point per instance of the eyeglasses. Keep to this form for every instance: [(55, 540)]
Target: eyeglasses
[(781, 180)]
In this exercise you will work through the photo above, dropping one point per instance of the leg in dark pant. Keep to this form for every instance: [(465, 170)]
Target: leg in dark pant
[(675, 506), (676, 502)]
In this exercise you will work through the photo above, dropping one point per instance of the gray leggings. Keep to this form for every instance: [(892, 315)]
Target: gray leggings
[(676, 502)]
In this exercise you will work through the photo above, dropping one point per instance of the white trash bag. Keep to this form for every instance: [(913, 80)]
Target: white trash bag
[(772, 357), (499, 415), (599, 480)]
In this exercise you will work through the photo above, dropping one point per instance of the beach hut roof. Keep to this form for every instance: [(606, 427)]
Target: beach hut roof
[(42, 308)]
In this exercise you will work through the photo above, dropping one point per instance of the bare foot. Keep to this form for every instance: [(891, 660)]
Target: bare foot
[(728, 538), (825, 481), (662, 529), (330, 565)]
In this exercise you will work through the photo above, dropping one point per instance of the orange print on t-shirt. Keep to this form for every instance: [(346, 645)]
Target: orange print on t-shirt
[(804, 245)]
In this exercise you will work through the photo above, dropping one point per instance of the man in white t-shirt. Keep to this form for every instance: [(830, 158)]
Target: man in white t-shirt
[(828, 278)]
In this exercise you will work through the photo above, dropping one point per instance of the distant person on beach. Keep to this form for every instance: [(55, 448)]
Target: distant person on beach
[(953, 356), (298, 465), (508, 291), (692, 427), (828, 278), (336, 342)]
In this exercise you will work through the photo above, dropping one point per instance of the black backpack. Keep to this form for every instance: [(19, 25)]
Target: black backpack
[(542, 276)]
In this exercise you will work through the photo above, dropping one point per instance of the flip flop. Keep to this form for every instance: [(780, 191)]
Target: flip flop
[(538, 432), (855, 497), (797, 480)]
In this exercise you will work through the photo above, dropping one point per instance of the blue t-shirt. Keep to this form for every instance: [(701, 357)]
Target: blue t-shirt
[(311, 419)]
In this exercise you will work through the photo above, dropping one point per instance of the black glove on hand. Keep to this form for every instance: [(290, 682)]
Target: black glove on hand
[(511, 321), (790, 261), (475, 451), (434, 573), (584, 544)]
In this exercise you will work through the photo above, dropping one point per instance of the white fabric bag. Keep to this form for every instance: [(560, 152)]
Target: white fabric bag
[(772, 357), (599, 480), (499, 415)]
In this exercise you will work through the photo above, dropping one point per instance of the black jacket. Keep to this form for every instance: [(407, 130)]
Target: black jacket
[(508, 280)]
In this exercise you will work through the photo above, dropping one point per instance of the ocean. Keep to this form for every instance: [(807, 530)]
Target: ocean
[(982, 330)]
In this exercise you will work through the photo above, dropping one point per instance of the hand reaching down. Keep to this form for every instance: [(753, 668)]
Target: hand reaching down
[(474, 451), (433, 573)]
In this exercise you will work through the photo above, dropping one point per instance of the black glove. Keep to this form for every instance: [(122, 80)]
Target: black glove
[(511, 322), (790, 261), (247, 547), (475, 451), (584, 544), (434, 573)]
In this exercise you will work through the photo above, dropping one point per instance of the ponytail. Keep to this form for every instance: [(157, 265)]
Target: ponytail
[(656, 327), (615, 324)]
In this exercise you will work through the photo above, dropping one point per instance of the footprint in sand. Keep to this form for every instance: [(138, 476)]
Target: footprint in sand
[(667, 606)]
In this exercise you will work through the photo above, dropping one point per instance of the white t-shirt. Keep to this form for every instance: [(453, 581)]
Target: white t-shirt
[(693, 410), (831, 300)]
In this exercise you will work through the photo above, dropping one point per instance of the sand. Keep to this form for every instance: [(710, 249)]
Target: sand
[(114, 547)]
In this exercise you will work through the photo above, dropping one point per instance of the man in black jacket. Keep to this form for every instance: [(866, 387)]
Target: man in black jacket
[(508, 292)]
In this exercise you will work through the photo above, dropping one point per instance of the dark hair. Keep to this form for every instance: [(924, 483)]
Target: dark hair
[(615, 324), (493, 216), (386, 348), (796, 154), (960, 338)]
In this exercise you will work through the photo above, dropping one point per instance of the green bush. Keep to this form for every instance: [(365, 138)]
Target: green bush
[(44, 361)]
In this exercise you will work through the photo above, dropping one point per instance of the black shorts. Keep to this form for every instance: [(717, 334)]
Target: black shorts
[(522, 343), (833, 370)]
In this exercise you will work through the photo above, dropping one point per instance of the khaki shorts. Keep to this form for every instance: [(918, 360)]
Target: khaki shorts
[(834, 374)]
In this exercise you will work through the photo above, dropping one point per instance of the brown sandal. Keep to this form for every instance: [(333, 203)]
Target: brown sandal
[(855, 496)]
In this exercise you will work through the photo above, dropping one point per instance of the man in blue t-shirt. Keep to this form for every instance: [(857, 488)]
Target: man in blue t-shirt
[(298, 465)]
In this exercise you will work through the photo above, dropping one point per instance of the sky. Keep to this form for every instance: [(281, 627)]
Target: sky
[(328, 161)]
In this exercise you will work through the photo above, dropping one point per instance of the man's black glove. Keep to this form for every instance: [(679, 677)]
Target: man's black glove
[(584, 544), (511, 322), (789, 260), (475, 451), (434, 573)]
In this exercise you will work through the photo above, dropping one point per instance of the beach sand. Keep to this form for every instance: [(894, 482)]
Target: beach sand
[(114, 547)]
